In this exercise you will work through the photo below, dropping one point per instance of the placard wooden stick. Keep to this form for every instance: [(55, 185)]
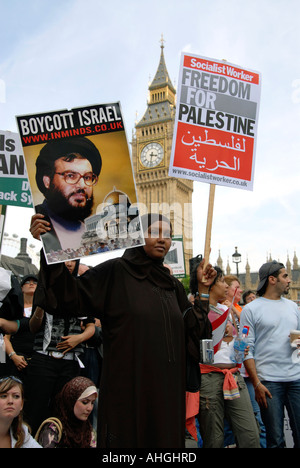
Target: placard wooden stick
[(210, 212)]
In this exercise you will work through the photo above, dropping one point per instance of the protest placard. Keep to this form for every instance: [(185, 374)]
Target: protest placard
[(175, 257), (81, 179), (215, 128), (15, 189)]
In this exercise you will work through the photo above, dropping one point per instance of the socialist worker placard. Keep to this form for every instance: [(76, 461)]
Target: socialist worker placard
[(215, 130), (81, 180)]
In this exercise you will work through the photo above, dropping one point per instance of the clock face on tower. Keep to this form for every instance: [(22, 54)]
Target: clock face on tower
[(152, 154)]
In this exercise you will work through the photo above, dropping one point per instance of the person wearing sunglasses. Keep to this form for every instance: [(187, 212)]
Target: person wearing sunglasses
[(66, 174), (14, 432)]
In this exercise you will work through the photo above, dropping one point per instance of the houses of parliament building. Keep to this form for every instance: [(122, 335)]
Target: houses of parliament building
[(249, 279)]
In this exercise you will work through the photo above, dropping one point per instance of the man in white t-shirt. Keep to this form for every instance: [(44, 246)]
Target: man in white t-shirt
[(272, 363)]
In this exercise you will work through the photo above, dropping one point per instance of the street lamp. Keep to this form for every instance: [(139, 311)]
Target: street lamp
[(236, 258)]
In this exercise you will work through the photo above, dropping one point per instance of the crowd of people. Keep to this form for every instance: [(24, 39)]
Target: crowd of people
[(105, 356), (44, 370)]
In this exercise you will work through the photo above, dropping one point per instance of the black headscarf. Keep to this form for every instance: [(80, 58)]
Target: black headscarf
[(12, 306), (139, 265)]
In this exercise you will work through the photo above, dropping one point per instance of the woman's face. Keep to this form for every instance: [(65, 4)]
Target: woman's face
[(220, 289), (70, 264), (235, 288), (250, 298), (158, 240), (11, 404), (83, 408), (29, 287)]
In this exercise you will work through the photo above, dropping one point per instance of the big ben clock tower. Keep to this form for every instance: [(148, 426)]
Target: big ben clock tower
[(151, 150)]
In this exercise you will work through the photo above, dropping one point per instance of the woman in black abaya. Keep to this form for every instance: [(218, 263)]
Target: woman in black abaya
[(149, 328)]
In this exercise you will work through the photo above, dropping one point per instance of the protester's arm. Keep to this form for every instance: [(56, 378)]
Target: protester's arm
[(19, 361), (71, 341), (39, 225), (234, 310), (36, 320), (197, 324), (9, 326), (261, 392), (205, 276), (61, 294)]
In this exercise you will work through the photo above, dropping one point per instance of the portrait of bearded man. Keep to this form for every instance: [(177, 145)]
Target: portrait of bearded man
[(66, 173)]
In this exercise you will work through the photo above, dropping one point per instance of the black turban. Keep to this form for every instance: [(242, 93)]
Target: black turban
[(60, 148)]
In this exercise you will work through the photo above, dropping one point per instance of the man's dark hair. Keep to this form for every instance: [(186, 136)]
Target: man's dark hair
[(262, 291), (194, 263), (220, 273)]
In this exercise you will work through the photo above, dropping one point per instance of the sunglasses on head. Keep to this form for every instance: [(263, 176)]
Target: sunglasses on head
[(12, 377)]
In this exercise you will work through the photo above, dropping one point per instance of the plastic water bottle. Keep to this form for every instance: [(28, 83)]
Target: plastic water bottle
[(239, 346)]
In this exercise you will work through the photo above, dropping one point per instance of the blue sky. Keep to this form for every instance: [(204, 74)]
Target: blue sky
[(71, 53)]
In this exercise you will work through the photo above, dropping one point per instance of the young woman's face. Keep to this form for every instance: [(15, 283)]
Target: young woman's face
[(11, 404), (29, 286), (83, 408), (70, 264), (158, 240), (220, 289)]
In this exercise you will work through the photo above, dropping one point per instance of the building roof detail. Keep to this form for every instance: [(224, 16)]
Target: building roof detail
[(161, 103), (162, 77)]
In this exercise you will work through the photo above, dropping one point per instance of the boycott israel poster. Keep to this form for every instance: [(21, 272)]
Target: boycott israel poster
[(81, 179), (216, 123), (15, 189)]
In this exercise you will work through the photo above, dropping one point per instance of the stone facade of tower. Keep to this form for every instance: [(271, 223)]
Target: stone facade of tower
[(151, 151)]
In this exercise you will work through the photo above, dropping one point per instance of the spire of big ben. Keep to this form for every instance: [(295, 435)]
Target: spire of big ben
[(162, 78), (161, 104)]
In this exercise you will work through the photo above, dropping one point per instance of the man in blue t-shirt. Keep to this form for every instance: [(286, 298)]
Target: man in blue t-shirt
[(272, 363)]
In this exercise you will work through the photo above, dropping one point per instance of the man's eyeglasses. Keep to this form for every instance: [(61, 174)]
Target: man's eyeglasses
[(73, 178), (30, 282)]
